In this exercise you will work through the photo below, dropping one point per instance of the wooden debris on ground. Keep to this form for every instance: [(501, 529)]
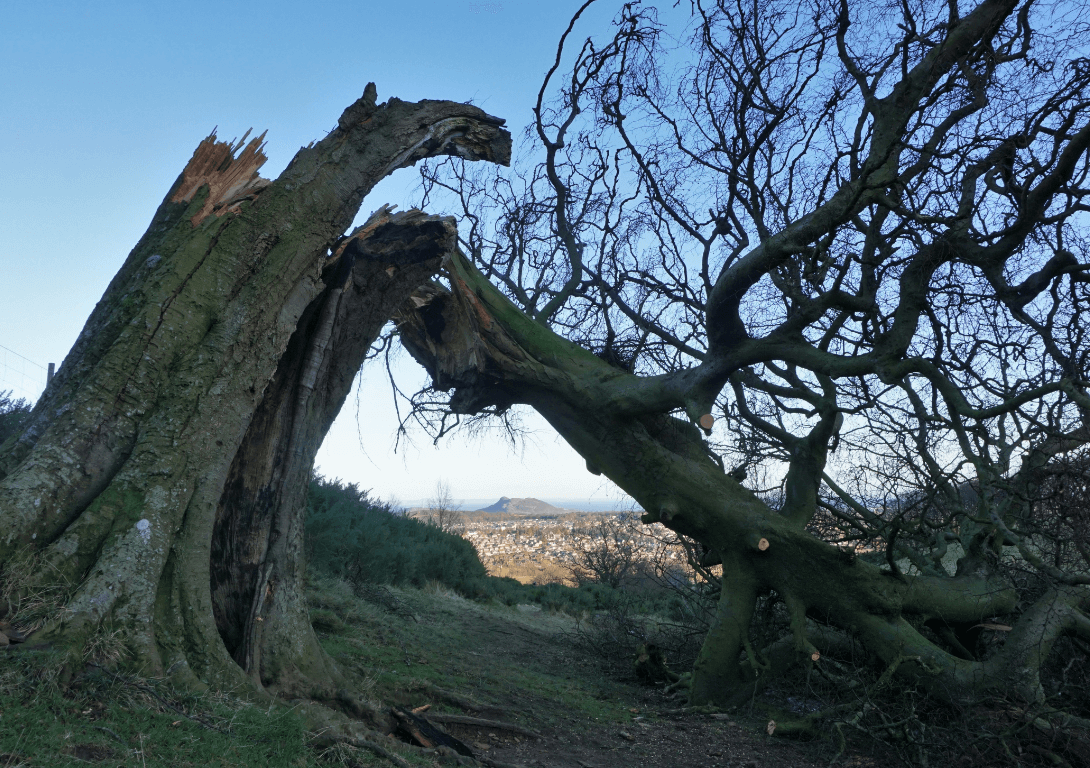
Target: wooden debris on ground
[(417, 730), (440, 717), (456, 699), (650, 664)]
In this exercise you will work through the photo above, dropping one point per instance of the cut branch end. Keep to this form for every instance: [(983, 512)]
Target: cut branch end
[(758, 542)]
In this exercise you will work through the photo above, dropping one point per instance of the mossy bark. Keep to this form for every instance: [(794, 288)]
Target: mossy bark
[(717, 675), (183, 424), (491, 354), (257, 543)]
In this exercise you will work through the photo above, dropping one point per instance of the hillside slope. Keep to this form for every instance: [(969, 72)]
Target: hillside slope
[(519, 665)]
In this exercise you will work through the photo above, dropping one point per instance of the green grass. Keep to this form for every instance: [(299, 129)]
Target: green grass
[(489, 652), (101, 719), (407, 652), (462, 636)]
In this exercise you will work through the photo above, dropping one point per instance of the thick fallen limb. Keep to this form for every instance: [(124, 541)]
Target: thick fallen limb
[(494, 356), (457, 699)]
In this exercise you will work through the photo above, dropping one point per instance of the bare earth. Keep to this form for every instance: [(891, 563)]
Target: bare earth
[(524, 669)]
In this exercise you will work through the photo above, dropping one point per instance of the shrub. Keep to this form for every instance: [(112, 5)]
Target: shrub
[(361, 539), (12, 415)]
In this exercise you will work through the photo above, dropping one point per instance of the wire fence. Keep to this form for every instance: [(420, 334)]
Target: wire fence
[(21, 376)]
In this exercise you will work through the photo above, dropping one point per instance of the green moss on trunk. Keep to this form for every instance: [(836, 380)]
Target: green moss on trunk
[(117, 477)]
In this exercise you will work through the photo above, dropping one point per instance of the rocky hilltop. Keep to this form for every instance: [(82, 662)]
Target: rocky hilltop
[(531, 507)]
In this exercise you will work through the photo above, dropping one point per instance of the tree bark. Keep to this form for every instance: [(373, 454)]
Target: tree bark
[(257, 539), (475, 341), (183, 424)]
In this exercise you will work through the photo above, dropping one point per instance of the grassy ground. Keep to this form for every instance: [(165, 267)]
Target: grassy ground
[(121, 721), (408, 647), (504, 658)]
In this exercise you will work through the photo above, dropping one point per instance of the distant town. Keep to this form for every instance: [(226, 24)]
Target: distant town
[(536, 542)]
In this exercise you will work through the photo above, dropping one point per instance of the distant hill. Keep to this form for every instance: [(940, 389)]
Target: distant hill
[(524, 507), (558, 506)]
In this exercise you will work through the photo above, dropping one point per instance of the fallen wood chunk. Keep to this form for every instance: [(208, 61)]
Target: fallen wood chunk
[(456, 699), (650, 665), (424, 734)]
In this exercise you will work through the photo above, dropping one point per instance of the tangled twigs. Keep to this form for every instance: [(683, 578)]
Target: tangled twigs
[(1052, 757), (362, 743), (808, 725), (151, 692), (1051, 719)]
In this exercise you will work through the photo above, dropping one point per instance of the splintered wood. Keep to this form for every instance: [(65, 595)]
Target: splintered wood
[(230, 179)]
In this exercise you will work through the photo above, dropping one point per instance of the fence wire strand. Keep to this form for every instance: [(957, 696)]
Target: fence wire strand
[(20, 375)]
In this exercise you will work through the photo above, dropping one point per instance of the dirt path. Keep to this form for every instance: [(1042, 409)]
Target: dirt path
[(521, 667), (668, 742)]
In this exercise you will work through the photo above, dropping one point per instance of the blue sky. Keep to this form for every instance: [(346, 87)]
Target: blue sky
[(102, 104)]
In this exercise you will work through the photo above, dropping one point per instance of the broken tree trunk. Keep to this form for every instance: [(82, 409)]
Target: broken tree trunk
[(183, 424), (257, 540)]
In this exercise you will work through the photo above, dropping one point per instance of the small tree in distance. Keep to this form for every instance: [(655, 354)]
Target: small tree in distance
[(442, 512), (605, 552)]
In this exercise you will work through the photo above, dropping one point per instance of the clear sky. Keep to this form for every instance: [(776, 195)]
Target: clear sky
[(102, 103)]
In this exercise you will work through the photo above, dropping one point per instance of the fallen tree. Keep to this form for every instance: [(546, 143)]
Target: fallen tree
[(884, 306), (157, 488)]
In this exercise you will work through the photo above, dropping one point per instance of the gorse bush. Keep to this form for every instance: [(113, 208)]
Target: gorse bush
[(12, 415), (361, 539)]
